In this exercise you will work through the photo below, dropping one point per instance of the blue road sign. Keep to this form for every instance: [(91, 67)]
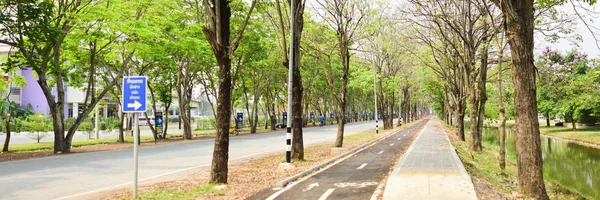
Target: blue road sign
[(134, 94)]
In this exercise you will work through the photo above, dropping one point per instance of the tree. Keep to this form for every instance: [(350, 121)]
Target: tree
[(346, 18), (519, 24), (8, 108), (43, 32), (217, 31)]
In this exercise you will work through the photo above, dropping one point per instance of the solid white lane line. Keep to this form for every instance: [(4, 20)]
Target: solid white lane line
[(362, 166), (392, 144), (380, 152), (326, 194)]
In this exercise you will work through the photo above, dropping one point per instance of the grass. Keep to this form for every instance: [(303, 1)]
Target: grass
[(79, 143), (591, 135), (360, 137), (181, 193), (584, 134), (128, 139), (484, 164)]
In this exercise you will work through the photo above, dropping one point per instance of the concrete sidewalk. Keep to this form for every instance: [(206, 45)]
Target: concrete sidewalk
[(430, 169)]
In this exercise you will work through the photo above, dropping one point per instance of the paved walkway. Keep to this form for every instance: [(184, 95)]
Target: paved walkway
[(430, 169)]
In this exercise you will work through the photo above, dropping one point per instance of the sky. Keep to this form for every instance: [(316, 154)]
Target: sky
[(589, 43)]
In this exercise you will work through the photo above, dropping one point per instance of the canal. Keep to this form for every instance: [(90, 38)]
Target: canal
[(571, 164)]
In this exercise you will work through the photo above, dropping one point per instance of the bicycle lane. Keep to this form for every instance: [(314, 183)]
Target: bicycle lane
[(356, 177)]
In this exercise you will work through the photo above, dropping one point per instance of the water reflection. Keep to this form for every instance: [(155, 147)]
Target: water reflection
[(573, 165)]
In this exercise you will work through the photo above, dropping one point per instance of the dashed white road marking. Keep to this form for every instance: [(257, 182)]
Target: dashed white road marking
[(399, 138), (392, 144), (326, 194), (362, 166), (380, 152)]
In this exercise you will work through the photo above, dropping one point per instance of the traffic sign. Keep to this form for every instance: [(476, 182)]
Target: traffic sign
[(134, 94)]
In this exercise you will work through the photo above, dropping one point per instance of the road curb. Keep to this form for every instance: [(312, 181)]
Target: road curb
[(286, 181)]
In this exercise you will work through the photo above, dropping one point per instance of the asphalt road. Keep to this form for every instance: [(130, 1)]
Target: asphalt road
[(76, 175), (354, 178)]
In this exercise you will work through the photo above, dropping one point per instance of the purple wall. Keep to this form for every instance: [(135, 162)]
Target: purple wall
[(33, 94)]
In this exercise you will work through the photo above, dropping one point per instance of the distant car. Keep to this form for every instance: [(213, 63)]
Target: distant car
[(559, 124), (280, 125)]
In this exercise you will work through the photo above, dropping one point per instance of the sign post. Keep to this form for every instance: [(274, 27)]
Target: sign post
[(134, 101)]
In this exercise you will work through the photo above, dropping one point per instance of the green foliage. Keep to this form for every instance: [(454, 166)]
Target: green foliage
[(38, 123), (567, 87), (87, 125), (109, 123)]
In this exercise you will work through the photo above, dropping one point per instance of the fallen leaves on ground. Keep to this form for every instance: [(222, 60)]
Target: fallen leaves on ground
[(245, 179)]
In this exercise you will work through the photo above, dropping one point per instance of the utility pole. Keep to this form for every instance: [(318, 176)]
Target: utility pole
[(375, 95), (288, 136), (97, 122)]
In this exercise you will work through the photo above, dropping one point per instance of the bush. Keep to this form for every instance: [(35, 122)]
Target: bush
[(69, 122), (86, 126), (38, 124), (205, 123), (18, 125), (109, 123)]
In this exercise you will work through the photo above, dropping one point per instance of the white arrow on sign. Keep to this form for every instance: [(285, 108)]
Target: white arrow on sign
[(135, 105), (311, 186)]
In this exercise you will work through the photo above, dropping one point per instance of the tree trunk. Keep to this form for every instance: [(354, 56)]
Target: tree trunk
[(221, 148), (345, 54), (254, 122), (7, 139), (121, 128), (501, 112), (519, 16), (273, 119), (297, 138), (166, 121), (60, 144), (339, 141), (548, 118), (219, 37), (473, 108), (481, 87), (459, 119), (574, 124)]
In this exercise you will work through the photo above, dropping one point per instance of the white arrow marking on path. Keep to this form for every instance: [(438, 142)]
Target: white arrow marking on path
[(326, 194), (135, 105), (311, 186), (362, 166), (380, 152)]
